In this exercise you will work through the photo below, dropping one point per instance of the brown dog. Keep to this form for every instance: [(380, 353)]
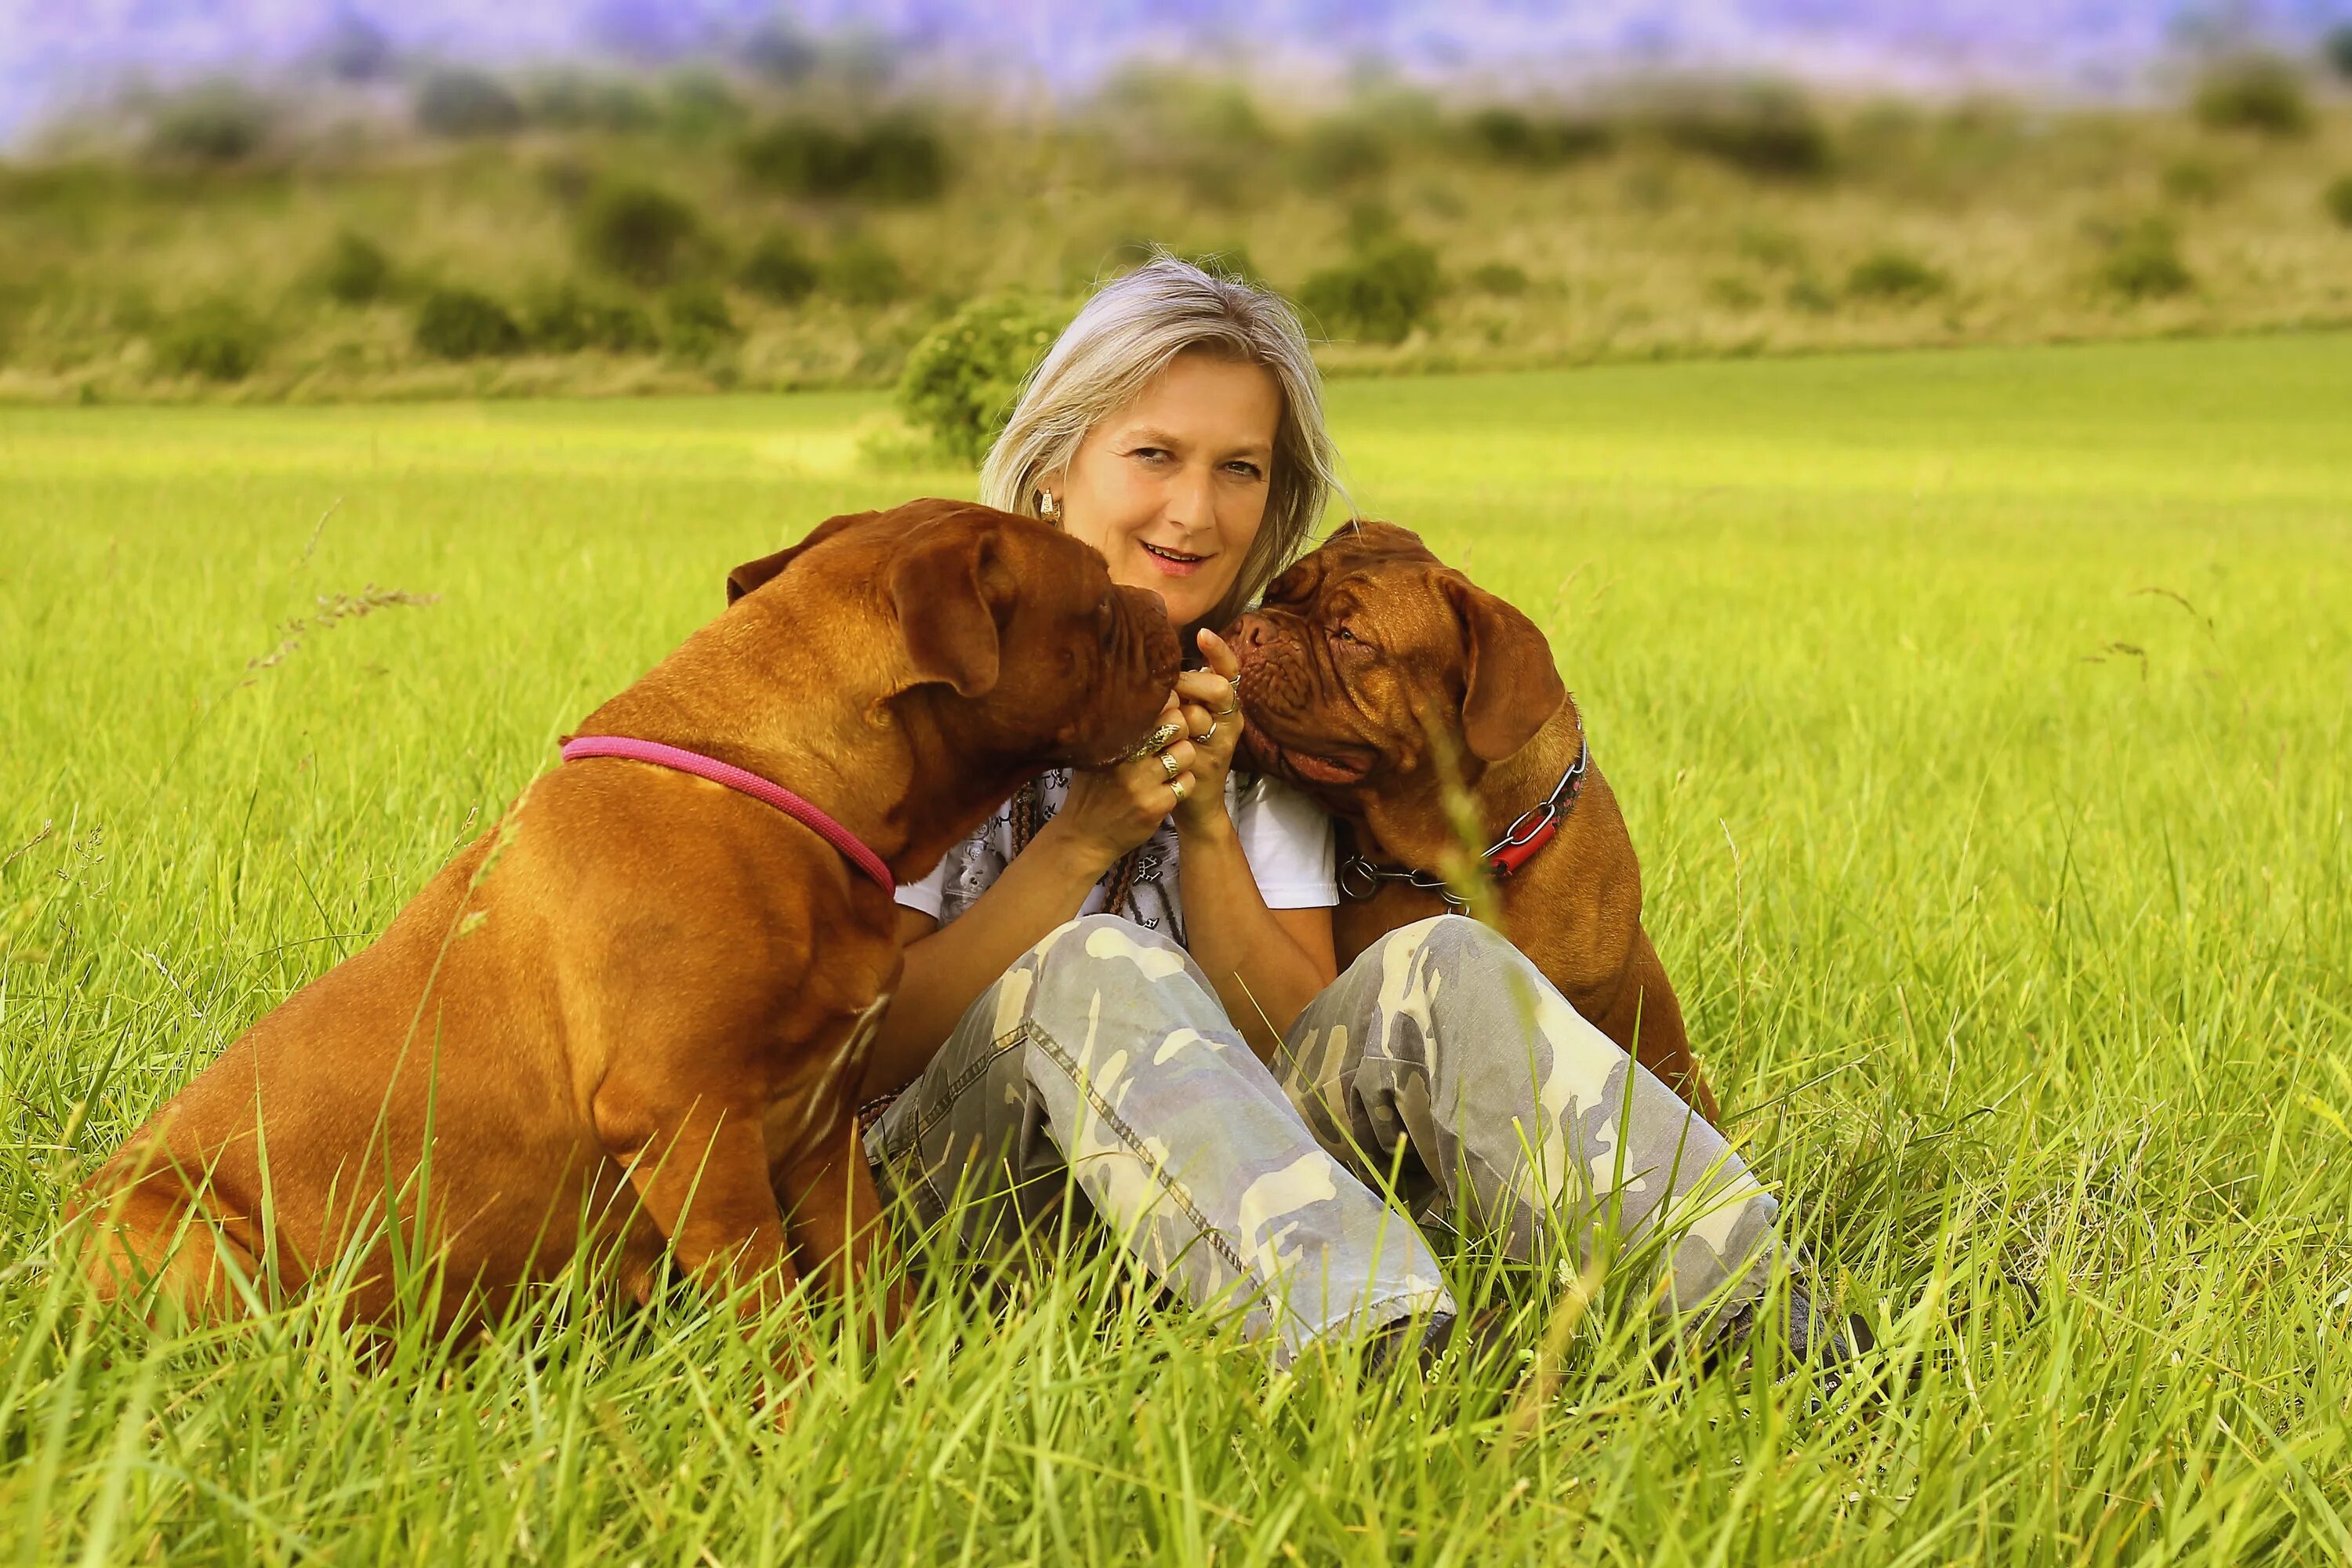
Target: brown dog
[(1370, 660), (633, 1012)]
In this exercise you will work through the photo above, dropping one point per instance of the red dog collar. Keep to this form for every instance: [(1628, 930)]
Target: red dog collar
[(1530, 831), (682, 760)]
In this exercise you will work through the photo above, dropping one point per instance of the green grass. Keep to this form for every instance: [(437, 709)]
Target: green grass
[(1981, 720)]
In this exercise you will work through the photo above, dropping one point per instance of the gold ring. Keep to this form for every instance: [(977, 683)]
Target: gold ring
[(1169, 764), (1176, 788), (1154, 741)]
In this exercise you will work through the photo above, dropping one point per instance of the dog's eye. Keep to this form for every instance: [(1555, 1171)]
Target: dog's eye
[(1344, 634)]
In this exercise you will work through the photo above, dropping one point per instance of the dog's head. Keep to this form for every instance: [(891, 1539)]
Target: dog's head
[(1369, 651), (1013, 628)]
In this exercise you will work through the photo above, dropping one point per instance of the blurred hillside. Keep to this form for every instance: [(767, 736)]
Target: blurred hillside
[(469, 234)]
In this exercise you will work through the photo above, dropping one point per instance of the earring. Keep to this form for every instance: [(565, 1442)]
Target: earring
[(1048, 507)]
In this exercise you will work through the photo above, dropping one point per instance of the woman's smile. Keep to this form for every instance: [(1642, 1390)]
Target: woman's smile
[(1170, 562)]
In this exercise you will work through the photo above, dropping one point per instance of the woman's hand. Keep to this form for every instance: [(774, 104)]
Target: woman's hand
[(1213, 718), (1111, 810)]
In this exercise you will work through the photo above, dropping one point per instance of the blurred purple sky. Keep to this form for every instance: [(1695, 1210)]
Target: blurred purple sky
[(56, 53)]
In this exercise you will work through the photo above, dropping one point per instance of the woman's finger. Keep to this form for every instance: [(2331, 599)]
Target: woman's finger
[(1199, 722), (1222, 659)]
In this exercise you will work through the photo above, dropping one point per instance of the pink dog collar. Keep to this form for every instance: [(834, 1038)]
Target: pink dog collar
[(685, 762)]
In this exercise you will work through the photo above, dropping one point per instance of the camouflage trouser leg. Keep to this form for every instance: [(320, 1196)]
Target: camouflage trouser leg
[(1518, 1118), (1102, 1053)]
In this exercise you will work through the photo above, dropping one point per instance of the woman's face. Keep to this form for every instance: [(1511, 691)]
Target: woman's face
[(1172, 488)]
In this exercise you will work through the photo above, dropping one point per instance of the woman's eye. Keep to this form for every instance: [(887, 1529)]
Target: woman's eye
[(1148, 454), (1247, 470)]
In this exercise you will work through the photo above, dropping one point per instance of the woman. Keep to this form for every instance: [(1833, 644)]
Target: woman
[(1122, 961)]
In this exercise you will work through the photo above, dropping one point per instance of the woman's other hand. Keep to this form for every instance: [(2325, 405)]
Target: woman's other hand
[(1212, 712), (1111, 810)]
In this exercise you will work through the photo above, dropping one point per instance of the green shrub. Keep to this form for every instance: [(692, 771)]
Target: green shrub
[(219, 340), (2144, 262), (699, 321), (461, 102), (1498, 278), (959, 383), (1508, 135), (217, 125), (1734, 294), (1342, 152), (2338, 46), (463, 323), (1893, 275), (640, 233), (2338, 199), (568, 319), (2264, 96), (779, 269), (1768, 131), (1380, 294), (570, 102), (700, 105), (894, 159), (355, 270), (861, 271), (1807, 294), (2193, 180)]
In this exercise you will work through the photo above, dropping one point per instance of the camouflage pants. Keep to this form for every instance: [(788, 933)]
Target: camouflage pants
[(1441, 1064)]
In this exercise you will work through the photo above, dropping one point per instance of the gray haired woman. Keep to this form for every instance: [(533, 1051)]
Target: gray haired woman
[(1112, 979)]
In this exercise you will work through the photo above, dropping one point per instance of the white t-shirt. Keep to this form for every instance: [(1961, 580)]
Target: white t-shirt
[(1285, 835)]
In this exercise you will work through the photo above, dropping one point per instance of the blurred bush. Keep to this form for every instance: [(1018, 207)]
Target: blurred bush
[(2144, 262), (779, 269), (1498, 278), (862, 271), (568, 319), (2338, 199), (463, 324), (218, 123), (640, 233), (1343, 151), (2191, 180), (894, 159), (699, 321), (1379, 295), (570, 102), (1508, 135), (219, 340), (355, 270), (1895, 275), (1770, 132), (2260, 95), (460, 103), (2338, 46), (959, 383)]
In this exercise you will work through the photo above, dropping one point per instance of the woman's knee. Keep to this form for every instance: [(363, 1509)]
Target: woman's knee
[(1451, 945), (1105, 950)]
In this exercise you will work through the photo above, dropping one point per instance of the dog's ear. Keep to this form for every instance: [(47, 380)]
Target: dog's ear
[(1511, 686), (940, 584), (753, 574)]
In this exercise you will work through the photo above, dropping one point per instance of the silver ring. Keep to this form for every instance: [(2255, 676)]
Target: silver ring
[(1169, 764), (1228, 711)]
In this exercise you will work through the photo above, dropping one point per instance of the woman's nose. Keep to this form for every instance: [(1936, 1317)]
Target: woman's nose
[(1191, 502)]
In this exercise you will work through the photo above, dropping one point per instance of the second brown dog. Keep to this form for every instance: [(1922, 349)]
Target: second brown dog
[(1369, 661)]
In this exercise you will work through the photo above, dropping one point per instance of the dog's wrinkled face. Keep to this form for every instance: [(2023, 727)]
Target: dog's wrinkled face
[(1370, 645), (1014, 624)]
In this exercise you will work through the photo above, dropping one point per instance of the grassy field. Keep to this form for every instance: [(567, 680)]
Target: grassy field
[(1980, 718)]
